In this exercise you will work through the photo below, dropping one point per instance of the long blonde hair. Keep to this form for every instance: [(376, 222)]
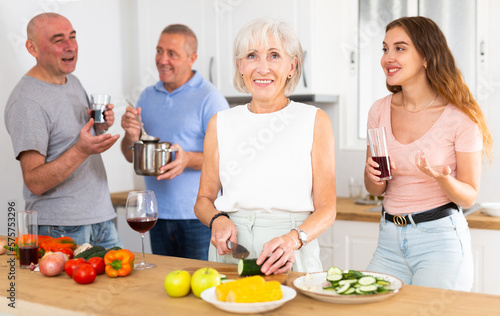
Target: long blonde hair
[(442, 71)]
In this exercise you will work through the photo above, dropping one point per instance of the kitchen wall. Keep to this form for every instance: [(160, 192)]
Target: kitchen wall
[(108, 63)]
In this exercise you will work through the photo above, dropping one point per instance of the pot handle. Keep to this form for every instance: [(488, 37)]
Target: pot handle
[(167, 150)]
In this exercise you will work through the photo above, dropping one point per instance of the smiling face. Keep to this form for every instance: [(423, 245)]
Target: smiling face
[(173, 61), (401, 62), (265, 71), (53, 43)]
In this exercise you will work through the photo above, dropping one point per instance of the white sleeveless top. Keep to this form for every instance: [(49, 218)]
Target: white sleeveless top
[(265, 159)]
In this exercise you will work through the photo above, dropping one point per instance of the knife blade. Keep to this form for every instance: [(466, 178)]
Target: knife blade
[(237, 250)]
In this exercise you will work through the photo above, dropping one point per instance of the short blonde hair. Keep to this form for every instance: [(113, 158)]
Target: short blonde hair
[(256, 33)]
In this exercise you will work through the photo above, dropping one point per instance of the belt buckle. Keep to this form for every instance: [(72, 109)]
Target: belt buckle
[(399, 220)]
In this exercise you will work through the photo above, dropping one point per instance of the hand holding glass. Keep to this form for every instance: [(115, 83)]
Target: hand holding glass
[(142, 214), (378, 151), (28, 238), (98, 105)]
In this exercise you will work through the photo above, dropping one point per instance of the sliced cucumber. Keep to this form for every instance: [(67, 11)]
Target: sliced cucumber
[(249, 267), (334, 277), (367, 280), (368, 288), (352, 282), (333, 271), (342, 288)]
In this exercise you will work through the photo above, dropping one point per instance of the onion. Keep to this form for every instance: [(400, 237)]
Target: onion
[(3, 243), (63, 255), (51, 264)]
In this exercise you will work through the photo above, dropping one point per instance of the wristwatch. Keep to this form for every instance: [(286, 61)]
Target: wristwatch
[(302, 236)]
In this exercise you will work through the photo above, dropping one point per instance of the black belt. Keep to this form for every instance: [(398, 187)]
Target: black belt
[(427, 216)]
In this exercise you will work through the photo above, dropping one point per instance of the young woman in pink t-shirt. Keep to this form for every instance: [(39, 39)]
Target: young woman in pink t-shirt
[(436, 134)]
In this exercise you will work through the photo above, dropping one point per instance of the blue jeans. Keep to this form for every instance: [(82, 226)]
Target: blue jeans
[(101, 234), (180, 238), (434, 254)]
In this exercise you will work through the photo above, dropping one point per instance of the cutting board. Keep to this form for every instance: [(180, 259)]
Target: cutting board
[(232, 274)]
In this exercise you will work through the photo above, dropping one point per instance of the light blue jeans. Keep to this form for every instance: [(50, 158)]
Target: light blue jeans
[(100, 234), (434, 254)]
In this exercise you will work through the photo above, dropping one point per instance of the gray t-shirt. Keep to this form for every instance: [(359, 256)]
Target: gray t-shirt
[(48, 118)]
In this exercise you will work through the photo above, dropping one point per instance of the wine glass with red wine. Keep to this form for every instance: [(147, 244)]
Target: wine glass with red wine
[(142, 214)]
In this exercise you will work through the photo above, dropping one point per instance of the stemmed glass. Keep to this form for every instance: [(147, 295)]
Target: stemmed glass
[(142, 214)]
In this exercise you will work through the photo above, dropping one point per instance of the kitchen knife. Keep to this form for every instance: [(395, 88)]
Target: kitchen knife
[(237, 250)]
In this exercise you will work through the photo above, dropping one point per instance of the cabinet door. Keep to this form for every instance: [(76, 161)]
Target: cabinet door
[(354, 244), (154, 15), (233, 15)]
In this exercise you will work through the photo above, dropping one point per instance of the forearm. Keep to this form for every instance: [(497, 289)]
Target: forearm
[(374, 188), (204, 209), (195, 160), (319, 221), (126, 142), (458, 192), (48, 175)]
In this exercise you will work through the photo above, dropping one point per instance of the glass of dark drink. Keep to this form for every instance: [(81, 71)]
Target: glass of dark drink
[(142, 214), (98, 106), (28, 238), (378, 150)]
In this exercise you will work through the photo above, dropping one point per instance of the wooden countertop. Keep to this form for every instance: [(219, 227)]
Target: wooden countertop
[(143, 293), (349, 211)]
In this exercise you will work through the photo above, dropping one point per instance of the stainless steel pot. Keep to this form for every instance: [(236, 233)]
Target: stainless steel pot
[(150, 156)]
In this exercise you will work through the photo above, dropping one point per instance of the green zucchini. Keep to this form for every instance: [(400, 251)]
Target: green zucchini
[(102, 253), (89, 253), (248, 267)]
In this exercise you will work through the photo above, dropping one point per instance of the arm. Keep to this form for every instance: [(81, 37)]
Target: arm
[(464, 189), (324, 198), (132, 129), (183, 160), (223, 228), (40, 176), (373, 184)]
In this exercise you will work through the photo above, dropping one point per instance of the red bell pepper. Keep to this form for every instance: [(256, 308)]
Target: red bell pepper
[(58, 243)]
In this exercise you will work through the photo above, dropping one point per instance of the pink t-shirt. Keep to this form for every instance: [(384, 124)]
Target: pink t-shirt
[(410, 190)]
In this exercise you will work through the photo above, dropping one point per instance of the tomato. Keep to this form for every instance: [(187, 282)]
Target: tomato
[(66, 251), (98, 264), (84, 273), (71, 264)]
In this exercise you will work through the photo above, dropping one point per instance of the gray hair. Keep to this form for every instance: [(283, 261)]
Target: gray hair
[(256, 33), (191, 40)]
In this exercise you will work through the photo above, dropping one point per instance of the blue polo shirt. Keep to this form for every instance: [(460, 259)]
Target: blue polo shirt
[(180, 117)]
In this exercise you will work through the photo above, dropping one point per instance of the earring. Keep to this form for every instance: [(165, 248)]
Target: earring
[(290, 76), (242, 75), (425, 66)]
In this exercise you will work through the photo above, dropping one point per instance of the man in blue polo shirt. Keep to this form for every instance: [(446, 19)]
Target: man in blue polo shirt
[(176, 109)]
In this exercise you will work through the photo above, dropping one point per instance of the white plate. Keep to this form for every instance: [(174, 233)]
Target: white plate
[(492, 209), (312, 285), (245, 308)]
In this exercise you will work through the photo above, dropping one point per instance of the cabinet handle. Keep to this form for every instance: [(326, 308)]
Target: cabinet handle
[(304, 77), (210, 68)]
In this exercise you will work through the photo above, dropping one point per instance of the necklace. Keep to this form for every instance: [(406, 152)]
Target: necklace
[(249, 105), (425, 107)]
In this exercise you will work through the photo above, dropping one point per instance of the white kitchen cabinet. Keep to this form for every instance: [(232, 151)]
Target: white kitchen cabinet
[(314, 22), (351, 244)]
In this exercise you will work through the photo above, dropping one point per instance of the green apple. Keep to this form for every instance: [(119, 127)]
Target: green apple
[(203, 279), (178, 283)]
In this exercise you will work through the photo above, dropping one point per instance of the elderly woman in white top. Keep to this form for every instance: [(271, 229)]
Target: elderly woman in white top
[(273, 158)]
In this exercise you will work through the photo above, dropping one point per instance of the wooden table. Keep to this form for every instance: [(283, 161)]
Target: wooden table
[(143, 293)]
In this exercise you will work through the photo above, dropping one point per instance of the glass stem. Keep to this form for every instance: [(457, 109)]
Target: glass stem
[(142, 242)]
